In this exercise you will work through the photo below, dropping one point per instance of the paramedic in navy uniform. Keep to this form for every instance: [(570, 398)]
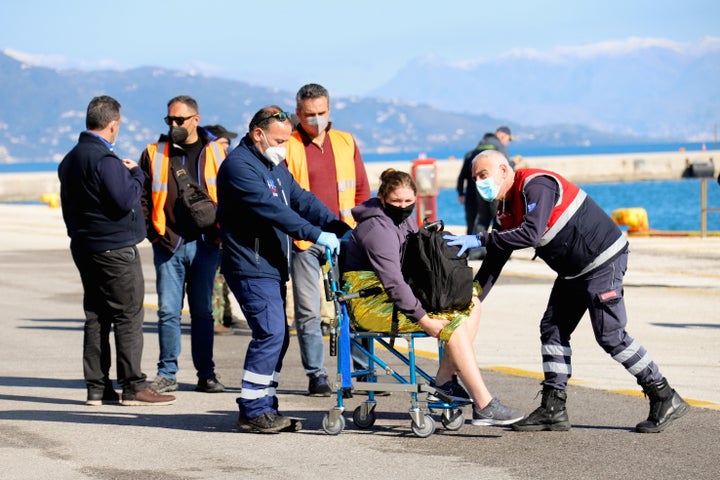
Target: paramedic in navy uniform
[(261, 209), (578, 240)]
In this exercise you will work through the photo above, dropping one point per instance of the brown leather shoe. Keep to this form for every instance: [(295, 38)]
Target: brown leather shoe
[(148, 397), (222, 330)]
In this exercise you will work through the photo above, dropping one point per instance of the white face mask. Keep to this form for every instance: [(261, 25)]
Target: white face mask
[(274, 155), (318, 122)]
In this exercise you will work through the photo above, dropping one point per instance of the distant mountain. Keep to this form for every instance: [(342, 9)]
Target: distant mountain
[(42, 111), (639, 87)]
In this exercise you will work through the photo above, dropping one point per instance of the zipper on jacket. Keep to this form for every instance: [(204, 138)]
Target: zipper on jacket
[(287, 237)]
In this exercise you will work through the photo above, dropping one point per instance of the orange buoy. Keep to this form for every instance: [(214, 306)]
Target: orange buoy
[(52, 199), (636, 219)]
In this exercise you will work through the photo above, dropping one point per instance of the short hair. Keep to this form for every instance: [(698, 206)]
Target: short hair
[(309, 91), (265, 116), (391, 180), (496, 157), (101, 111), (187, 100)]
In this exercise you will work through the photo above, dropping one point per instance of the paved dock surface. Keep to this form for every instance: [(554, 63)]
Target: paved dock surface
[(46, 432)]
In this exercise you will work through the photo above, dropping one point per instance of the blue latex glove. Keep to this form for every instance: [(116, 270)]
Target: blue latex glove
[(329, 240), (464, 241)]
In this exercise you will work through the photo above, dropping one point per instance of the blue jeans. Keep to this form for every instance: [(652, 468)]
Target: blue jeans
[(306, 296), (193, 264)]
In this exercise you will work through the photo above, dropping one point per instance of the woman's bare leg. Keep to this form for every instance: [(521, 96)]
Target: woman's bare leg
[(460, 359)]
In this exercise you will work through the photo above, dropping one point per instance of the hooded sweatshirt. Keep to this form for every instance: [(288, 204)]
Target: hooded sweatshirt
[(376, 245)]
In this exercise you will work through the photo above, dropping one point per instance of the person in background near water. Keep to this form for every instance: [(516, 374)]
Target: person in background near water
[(498, 141), (185, 258), (261, 208), (100, 195), (221, 308), (373, 259), (326, 162), (479, 213), (501, 141), (578, 240)]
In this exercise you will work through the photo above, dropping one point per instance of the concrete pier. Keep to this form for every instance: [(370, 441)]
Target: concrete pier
[(621, 167), (46, 432)]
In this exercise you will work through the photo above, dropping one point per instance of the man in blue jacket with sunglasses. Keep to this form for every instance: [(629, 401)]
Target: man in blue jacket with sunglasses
[(261, 209)]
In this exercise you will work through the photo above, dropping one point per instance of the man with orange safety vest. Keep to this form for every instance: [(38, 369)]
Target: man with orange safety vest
[(185, 257), (577, 239), (326, 162)]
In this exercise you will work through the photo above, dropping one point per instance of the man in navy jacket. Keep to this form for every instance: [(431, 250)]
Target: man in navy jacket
[(100, 194), (261, 209)]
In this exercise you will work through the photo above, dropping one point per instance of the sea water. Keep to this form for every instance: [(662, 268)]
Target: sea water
[(670, 204)]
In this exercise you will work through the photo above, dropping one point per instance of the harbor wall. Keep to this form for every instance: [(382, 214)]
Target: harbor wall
[(622, 167)]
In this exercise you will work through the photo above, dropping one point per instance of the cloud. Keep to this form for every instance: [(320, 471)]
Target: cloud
[(623, 47), (607, 48), (60, 61), (36, 60)]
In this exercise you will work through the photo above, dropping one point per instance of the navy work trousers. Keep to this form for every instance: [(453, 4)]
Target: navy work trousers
[(262, 301), (600, 293)]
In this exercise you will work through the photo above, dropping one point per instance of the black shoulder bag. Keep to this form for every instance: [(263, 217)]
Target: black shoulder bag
[(199, 207)]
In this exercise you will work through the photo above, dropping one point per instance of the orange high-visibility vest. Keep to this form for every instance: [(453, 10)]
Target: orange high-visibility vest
[(343, 146), (159, 154)]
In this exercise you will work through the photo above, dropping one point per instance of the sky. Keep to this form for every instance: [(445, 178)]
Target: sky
[(349, 47)]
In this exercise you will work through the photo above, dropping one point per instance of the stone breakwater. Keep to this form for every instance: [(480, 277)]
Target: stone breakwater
[(621, 167)]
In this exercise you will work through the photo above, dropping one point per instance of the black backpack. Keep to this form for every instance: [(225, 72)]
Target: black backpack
[(439, 278)]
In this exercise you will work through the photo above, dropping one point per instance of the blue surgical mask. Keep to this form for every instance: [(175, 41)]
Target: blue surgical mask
[(487, 188)]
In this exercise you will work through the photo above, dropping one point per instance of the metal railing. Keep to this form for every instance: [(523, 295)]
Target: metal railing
[(703, 205)]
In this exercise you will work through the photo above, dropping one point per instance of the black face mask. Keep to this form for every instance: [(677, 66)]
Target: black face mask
[(398, 214), (178, 135)]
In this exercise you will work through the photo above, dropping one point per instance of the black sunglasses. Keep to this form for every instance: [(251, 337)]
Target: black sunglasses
[(179, 120)]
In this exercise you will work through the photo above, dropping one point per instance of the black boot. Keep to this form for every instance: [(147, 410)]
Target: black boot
[(550, 415), (665, 406)]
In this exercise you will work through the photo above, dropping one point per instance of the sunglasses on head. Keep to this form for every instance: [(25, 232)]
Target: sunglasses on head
[(281, 116), (179, 120)]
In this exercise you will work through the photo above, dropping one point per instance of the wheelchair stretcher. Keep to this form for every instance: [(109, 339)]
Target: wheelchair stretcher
[(411, 379)]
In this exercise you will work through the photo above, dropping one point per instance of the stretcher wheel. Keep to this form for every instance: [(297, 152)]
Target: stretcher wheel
[(363, 421), (453, 419), (425, 431), (335, 429)]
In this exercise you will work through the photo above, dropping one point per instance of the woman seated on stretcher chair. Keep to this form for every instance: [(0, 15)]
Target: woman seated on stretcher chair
[(372, 259)]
